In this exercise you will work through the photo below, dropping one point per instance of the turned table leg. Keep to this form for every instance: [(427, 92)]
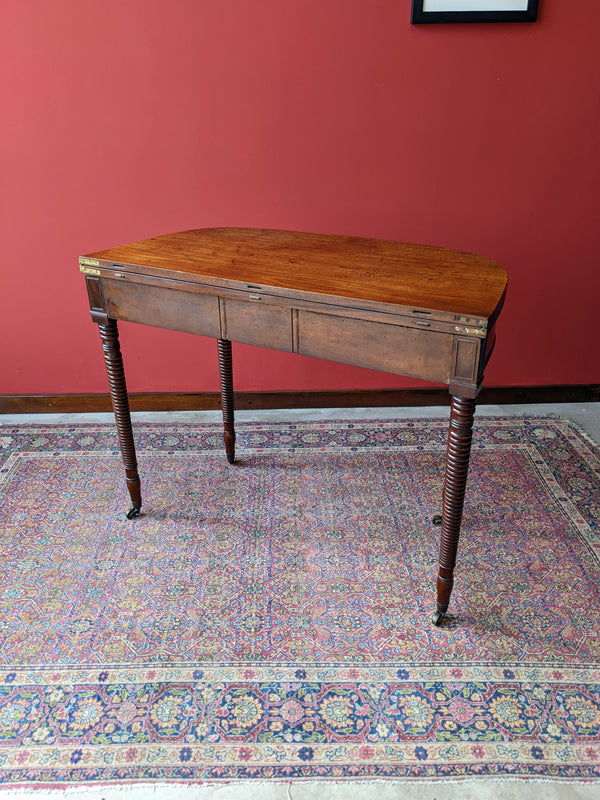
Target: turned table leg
[(118, 393), (226, 376), (455, 481)]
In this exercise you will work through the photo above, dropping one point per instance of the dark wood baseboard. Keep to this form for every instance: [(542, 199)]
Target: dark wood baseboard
[(362, 398)]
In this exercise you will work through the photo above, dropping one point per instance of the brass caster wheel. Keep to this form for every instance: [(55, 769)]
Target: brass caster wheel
[(437, 520), (437, 618), (133, 512)]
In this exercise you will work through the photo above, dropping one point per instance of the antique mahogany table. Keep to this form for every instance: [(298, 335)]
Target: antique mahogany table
[(420, 311)]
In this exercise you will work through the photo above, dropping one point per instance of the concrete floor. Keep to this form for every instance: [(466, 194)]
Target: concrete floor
[(587, 416)]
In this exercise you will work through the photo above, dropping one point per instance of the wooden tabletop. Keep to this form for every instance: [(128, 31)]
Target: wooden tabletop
[(418, 276)]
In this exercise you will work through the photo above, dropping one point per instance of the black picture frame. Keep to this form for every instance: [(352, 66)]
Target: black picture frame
[(486, 14)]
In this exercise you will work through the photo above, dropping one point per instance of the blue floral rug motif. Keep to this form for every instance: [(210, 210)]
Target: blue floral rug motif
[(271, 619)]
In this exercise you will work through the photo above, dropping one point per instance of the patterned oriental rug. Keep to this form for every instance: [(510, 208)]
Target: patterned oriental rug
[(271, 620)]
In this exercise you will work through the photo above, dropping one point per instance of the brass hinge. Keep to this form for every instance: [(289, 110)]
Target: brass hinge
[(86, 265), (470, 331)]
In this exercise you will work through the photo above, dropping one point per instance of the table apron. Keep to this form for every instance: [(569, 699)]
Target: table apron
[(412, 350)]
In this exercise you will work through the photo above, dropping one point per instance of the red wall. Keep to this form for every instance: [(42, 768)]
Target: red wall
[(123, 119)]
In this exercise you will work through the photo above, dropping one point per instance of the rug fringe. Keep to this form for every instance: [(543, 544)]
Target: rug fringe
[(457, 789)]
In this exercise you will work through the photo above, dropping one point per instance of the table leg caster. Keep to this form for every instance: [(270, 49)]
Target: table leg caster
[(437, 519), (438, 618), (133, 512)]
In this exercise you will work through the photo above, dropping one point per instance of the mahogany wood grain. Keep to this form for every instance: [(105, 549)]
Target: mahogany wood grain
[(415, 352), (227, 398), (455, 481), (118, 393), (363, 269)]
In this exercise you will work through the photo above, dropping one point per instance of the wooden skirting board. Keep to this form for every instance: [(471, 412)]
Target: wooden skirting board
[(362, 398)]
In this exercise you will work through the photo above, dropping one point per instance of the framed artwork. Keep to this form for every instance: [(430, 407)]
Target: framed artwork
[(474, 11)]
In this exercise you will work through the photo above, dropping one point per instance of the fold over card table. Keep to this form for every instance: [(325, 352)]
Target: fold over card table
[(425, 312)]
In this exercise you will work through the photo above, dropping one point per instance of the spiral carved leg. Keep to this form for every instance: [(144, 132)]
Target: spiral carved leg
[(118, 393), (227, 402), (455, 482)]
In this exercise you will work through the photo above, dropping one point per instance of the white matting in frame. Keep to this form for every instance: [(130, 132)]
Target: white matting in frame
[(475, 5)]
